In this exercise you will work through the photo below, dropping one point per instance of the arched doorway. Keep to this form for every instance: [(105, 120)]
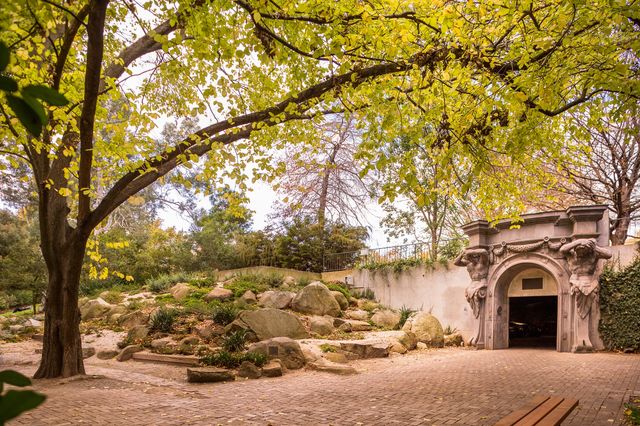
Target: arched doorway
[(529, 289), (533, 309)]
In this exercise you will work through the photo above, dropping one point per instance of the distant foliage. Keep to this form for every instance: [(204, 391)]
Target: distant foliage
[(255, 282), (620, 307)]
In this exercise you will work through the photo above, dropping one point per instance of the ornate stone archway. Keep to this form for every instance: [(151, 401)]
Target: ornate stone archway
[(568, 245)]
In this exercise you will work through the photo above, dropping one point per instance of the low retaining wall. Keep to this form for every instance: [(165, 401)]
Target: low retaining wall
[(440, 289), (222, 275)]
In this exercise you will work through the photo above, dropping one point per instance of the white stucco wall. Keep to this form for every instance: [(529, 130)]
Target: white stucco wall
[(441, 289)]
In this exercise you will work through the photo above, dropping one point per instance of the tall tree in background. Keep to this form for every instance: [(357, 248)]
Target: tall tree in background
[(606, 164), (260, 74), (322, 177)]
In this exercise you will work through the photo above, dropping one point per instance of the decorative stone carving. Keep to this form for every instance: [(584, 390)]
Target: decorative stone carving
[(503, 248), (582, 257), (477, 263)]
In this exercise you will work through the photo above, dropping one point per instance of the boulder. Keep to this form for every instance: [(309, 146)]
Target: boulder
[(366, 349), (331, 367), (117, 309), (272, 369), (207, 330), (341, 299), (108, 354), (16, 328), (133, 319), (322, 326), (283, 348), (249, 370), (95, 308), (421, 345), (114, 319), (289, 281), (218, 293), (338, 357), (267, 323), (358, 314), (397, 347), (276, 299), (386, 318), (427, 329), (33, 323), (405, 338), (316, 299), (249, 298), (454, 339), (128, 352), (190, 340), (209, 375), (138, 332), (180, 291), (352, 325), (162, 343), (88, 352)]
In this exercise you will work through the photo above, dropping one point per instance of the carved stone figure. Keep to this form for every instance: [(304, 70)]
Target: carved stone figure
[(477, 263), (582, 257)]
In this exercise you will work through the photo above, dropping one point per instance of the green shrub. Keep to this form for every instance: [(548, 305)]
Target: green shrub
[(303, 282), (325, 347), (235, 341), (368, 294), (620, 307), (633, 413), (341, 288), (253, 282), (163, 320), (227, 359), (405, 313), (163, 282), (450, 330), (224, 313), (272, 280), (113, 296)]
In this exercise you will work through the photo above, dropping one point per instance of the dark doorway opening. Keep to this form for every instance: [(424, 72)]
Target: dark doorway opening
[(533, 321)]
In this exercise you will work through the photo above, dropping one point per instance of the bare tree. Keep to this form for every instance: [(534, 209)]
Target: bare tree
[(606, 169), (326, 184)]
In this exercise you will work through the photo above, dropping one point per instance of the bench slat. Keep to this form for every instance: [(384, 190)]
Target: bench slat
[(539, 413), (517, 415), (560, 413)]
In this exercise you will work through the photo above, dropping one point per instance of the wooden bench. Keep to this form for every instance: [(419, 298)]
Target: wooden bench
[(541, 411)]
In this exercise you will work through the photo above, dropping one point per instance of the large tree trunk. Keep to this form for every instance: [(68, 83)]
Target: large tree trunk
[(62, 349)]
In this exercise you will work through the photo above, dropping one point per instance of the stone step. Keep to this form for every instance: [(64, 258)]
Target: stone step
[(189, 360)]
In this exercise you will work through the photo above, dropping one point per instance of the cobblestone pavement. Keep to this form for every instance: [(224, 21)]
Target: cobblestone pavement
[(448, 386)]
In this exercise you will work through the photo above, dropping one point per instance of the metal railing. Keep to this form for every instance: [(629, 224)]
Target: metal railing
[(348, 260), (420, 252)]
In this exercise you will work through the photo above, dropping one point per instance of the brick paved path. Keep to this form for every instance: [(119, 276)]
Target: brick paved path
[(450, 386)]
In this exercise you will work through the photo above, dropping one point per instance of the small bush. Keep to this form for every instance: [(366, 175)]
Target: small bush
[(450, 330), (405, 313), (163, 282), (242, 283), (235, 341), (341, 288), (272, 280), (370, 306), (303, 282), (368, 294), (633, 413), (224, 313), (227, 359), (325, 347), (113, 296), (163, 320), (620, 307)]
